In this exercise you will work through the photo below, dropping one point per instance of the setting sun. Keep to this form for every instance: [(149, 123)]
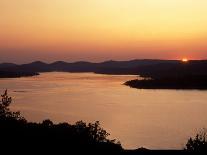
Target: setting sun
[(184, 60)]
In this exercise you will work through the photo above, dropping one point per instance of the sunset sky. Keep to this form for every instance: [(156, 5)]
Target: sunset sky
[(97, 30)]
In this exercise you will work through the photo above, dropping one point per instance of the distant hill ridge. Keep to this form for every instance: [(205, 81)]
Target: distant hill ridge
[(144, 67)]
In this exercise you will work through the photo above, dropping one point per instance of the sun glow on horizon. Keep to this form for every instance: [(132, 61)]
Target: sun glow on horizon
[(185, 60)]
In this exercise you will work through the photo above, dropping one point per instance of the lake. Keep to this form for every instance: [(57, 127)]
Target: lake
[(156, 119)]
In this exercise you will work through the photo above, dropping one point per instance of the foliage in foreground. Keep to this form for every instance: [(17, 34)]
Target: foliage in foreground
[(198, 143), (80, 137), (5, 112)]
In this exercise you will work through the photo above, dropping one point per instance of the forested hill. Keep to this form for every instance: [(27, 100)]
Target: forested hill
[(145, 67)]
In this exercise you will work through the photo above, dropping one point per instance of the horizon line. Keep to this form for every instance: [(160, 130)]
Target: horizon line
[(109, 60)]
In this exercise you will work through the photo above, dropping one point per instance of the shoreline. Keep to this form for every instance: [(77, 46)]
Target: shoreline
[(170, 84)]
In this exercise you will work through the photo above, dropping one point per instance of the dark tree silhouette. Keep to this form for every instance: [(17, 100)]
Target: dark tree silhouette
[(50, 137), (4, 108), (6, 100), (198, 143)]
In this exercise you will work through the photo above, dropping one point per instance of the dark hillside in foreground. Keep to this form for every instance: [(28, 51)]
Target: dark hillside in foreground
[(80, 138)]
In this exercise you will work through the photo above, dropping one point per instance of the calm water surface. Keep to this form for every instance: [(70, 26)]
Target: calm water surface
[(156, 119)]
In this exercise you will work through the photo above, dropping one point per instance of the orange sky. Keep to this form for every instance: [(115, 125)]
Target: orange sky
[(97, 30)]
